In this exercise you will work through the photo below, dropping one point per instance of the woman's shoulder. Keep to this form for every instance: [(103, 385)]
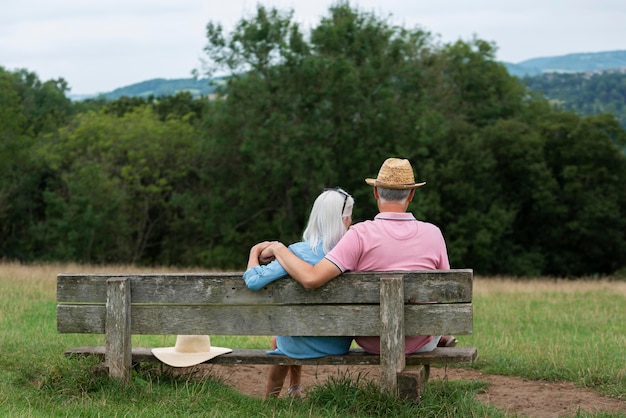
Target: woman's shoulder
[(299, 245), (300, 248), (304, 251)]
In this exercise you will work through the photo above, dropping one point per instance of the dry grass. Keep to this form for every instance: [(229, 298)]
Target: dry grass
[(487, 285), (38, 271), (37, 282), (37, 275)]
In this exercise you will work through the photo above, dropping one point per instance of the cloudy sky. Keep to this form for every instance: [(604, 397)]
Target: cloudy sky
[(100, 45)]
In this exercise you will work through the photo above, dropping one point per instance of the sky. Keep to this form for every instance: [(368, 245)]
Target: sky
[(100, 45)]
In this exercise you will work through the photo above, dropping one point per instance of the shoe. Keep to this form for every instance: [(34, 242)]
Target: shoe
[(447, 341), (274, 393), (295, 391)]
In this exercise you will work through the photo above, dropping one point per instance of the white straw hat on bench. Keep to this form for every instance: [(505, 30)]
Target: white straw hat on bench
[(189, 351)]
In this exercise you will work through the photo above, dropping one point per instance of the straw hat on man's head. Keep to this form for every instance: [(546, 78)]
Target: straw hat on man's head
[(395, 173), (189, 351)]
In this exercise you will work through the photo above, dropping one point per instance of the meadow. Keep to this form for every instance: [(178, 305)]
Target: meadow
[(542, 329)]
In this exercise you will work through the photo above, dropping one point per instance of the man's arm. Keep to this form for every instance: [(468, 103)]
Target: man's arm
[(307, 275)]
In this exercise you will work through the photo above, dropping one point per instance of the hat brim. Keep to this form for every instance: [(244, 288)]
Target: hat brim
[(177, 359), (374, 182)]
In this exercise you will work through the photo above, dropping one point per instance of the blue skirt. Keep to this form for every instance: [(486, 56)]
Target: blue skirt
[(311, 347)]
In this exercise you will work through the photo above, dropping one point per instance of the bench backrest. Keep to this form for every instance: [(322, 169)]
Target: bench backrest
[(356, 303)]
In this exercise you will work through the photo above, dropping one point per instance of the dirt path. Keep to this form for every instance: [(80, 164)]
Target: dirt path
[(510, 394)]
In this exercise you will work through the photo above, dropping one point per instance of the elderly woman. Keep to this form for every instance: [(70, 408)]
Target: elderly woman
[(329, 220)]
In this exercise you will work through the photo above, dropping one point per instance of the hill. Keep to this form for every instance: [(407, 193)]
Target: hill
[(570, 63), (588, 93), (161, 87), (585, 83)]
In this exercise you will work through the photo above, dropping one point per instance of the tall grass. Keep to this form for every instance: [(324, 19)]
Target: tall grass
[(540, 330)]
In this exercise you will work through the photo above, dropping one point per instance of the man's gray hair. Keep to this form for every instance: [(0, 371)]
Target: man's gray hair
[(393, 195)]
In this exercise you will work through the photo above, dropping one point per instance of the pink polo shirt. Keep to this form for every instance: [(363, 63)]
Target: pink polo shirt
[(392, 241)]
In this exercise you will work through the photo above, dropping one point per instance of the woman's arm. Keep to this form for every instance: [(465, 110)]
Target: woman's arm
[(258, 276)]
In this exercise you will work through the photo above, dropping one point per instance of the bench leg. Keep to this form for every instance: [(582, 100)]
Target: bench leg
[(412, 382), (118, 352), (392, 359)]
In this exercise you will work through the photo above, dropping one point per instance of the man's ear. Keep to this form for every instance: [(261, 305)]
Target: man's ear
[(411, 195), (375, 192)]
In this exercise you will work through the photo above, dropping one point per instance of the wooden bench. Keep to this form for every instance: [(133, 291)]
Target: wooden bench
[(389, 305)]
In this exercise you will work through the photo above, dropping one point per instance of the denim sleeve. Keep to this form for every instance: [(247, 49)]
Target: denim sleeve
[(259, 276)]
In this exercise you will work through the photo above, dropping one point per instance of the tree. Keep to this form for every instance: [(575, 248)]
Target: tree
[(306, 114), (111, 201), (44, 104), (300, 113), (589, 227), (583, 93), (29, 109)]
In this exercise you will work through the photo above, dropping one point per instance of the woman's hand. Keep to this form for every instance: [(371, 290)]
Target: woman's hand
[(258, 254), (266, 257), (267, 254), (270, 250)]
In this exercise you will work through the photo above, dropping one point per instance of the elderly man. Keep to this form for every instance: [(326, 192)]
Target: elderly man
[(393, 241)]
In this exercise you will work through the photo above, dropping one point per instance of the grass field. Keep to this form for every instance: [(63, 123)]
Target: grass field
[(538, 329)]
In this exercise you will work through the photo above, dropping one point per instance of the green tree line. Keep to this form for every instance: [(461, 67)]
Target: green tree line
[(517, 186), (584, 93)]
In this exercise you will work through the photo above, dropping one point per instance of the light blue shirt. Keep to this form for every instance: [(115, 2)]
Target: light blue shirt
[(259, 276), (295, 346)]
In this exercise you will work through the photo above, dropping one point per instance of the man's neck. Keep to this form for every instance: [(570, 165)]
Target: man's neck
[(392, 206)]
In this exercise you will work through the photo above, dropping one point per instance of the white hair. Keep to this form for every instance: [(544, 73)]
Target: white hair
[(325, 223)]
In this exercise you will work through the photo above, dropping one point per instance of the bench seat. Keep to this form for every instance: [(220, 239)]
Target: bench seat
[(356, 357)]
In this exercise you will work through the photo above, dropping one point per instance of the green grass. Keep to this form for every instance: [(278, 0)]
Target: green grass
[(577, 336), (545, 333)]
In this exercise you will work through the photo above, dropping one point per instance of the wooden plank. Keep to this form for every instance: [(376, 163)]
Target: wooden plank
[(78, 288), (450, 286), (118, 338), (441, 355), (391, 332), (81, 319), (439, 319), (320, 320), (443, 286)]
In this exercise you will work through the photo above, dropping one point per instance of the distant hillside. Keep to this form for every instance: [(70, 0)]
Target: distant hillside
[(579, 82), (570, 63), (161, 87), (588, 93)]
